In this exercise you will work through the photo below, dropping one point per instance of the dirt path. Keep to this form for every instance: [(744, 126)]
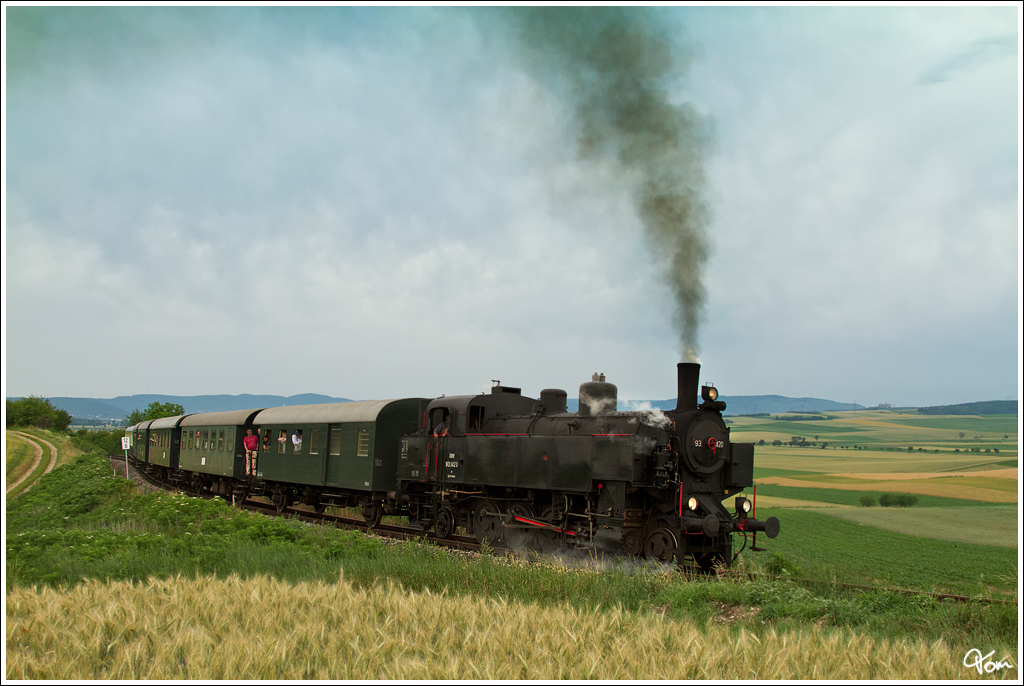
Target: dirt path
[(36, 445)]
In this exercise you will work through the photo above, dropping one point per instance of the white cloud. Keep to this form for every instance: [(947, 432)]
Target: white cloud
[(386, 205)]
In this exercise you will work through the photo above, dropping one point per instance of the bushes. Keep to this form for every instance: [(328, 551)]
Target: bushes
[(898, 500), (889, 500), (105, 442)]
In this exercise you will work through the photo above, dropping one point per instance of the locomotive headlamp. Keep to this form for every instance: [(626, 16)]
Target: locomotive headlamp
[(709, 392), (743, 506), (692, 504)]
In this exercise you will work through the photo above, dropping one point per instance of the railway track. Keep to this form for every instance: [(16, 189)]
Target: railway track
[(470, 544), (455, 542)]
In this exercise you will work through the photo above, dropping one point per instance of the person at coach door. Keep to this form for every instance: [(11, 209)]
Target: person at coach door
[(251, 443)]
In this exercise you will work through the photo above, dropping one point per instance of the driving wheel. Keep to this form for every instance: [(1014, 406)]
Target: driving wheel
[(487, 523)]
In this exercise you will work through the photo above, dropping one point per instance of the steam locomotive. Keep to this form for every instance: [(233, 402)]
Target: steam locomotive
[(504, 467)]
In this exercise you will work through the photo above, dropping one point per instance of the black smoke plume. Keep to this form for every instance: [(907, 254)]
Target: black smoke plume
[(615, 67)]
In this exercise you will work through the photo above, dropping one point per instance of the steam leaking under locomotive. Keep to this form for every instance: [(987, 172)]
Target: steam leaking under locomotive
[(504, 467)]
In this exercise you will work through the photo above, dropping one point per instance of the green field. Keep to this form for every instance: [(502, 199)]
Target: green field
[(829, 544), (81, 542), (992, 525), (852, 498), (882, 428), (963, 496)]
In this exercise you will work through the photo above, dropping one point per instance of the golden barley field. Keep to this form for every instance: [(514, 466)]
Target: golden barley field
[(260, 628)]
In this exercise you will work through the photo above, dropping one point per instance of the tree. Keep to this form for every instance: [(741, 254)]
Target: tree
[(154, 411), (37, 411)]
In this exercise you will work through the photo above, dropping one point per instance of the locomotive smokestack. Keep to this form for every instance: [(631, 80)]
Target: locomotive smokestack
[(688, 374)]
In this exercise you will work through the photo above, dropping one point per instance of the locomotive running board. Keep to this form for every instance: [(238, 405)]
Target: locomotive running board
[(544, 525)]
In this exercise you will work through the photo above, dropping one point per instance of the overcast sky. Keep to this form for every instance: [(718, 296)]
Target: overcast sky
[(376, 203)]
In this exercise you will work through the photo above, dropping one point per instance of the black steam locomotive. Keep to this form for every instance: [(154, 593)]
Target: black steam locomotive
[(505, 467)]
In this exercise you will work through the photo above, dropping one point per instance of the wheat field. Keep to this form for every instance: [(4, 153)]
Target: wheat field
[(260, 628)]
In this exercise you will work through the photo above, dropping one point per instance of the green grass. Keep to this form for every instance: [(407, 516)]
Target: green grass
[(841, 497), (998, 424), (889, 429), (806, 429), (826, 545), (987, 525), (765, 472), (81, 522)]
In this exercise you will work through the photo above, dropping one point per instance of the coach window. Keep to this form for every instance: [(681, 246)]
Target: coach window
[(335, 448), (282, 441), (363, 443), (206, 440), (220, 441), (231, 439), (314, 441)]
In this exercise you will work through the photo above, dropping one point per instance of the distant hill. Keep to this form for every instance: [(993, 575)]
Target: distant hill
[(757, 404), (986, 407), (116, 409)]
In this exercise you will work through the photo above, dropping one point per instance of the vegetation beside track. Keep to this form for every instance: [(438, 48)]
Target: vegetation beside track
[(82, 525)]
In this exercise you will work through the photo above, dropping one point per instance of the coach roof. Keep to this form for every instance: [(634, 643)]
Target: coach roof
[(328, 413), (166, 422), (219, 418)]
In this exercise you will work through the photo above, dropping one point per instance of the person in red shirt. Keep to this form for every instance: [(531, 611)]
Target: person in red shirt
[(250, 443)]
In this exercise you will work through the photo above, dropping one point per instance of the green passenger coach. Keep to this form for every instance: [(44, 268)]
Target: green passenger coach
[(164, 439), (211, 448), (324, 454)]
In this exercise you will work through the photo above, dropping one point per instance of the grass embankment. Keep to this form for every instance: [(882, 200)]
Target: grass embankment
[(412, 611)]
